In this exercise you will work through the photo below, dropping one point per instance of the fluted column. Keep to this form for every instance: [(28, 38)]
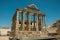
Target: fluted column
[(28, 20), (22, 21), (34, 28), (45, 23), (40, 22), (17, 28), (16, 15), (36, 21)]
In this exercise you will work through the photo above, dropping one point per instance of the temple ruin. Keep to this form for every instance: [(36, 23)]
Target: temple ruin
[(28, 22)]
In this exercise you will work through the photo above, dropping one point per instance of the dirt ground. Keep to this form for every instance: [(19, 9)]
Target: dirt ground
[(4, 37)]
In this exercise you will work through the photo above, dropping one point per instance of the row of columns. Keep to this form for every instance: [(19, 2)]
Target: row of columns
[(28, 20), (37, 21)]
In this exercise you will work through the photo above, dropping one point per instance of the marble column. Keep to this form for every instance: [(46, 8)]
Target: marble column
[(22, 21), (28, 20), (17, 28), (36, 21), (40, 22), (34, 28), (45, 23)]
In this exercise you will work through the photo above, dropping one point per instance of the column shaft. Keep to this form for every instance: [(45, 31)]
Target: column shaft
[(22, 21), (36, 21), (28, 20), (45, 23), (34, 28), (41, 23), (17, 28)]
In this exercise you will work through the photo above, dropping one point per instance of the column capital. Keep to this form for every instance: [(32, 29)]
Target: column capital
[(27, 13)]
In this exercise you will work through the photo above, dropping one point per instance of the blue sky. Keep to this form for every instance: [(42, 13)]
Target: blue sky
[(49, 7)]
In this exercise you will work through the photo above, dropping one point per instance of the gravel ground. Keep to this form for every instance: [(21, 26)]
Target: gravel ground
[(4, 37)]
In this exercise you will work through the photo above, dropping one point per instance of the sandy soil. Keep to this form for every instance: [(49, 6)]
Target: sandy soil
[(4, 37)]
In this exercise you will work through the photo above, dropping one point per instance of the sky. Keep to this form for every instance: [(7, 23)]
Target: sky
[(49, 7)]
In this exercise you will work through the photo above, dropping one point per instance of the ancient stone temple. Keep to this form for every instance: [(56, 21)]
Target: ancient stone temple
[(28, 22)]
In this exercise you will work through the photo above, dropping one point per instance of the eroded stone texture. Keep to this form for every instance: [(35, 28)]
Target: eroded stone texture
[(25, 26)]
